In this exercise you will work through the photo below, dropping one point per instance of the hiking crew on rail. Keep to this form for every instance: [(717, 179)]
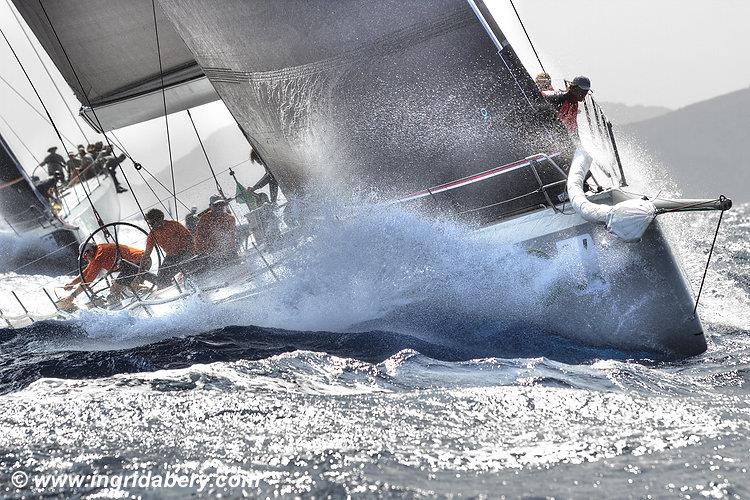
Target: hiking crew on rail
[(175, 241)]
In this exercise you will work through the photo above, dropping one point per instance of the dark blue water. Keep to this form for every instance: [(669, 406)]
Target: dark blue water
[(480, 408)]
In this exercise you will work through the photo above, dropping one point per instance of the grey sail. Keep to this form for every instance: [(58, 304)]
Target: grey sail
[(392, 96), (22, 207), (112, 46)]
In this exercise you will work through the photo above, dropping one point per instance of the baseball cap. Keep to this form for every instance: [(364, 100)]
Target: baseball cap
[(216, 199), (582, 82)]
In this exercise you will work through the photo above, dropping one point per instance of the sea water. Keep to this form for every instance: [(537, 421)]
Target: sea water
[(395, 359)]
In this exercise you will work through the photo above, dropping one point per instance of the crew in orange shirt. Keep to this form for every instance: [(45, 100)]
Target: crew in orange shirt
[(216, 233), (110, 257), (175, 241)]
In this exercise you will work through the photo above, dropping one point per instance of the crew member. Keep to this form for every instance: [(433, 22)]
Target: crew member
[(267, 179), (110, 166), (216, 233), (565, 103), (55, 164), (191, 219), (85, 172), (544, 83), (175, 241), (48, 188), (110, 257), (73, 164)]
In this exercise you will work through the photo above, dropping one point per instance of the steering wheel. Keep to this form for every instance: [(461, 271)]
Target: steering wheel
[(97, 289)]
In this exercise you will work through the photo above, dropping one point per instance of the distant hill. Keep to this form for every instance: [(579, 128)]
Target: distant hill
[(225, 147), (623, 114), (705, 145)]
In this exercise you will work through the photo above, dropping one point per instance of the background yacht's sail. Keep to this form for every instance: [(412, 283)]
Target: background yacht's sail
[(21, 206), (393, 95), (112, 46)]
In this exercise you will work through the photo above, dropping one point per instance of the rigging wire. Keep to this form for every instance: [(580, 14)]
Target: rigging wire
[(57, 131), (208, 160), (33, 108), (210, 166), (138, 170), (527, 35), (41, 61), (164, 101), (196, 184), (138, 167), (20, 140), (708, 261), (93, 111)]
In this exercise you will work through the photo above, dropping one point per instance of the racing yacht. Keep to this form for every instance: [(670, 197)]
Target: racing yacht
[(60, 220), (422, 103)]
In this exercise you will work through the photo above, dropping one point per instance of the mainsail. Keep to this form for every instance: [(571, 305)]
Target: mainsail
[(112, 47), (392, 96), (21, 206)]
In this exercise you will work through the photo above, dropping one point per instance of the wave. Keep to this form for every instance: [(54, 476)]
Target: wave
[(434, 286), (385, 269), (64, 350), (35, 254)]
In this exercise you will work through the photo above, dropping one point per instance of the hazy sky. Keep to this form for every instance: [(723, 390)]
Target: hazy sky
[(656, 52)]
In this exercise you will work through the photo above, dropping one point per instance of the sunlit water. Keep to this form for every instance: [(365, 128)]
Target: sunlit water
[(463, 400)]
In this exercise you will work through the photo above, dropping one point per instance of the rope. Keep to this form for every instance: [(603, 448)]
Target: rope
[(138, 167), (164, 101), (52, 122), (41, 61), (527, 35), (218, 186), (208, 160), (708, 262), (20, 140), (33, 108), (96, 117)]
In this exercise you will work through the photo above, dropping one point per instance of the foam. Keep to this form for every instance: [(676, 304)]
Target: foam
[(384, 267), (16, 249)]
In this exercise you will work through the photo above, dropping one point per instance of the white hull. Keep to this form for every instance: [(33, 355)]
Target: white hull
[(75, 224), (625, 295), (103, 196), (630, 296)]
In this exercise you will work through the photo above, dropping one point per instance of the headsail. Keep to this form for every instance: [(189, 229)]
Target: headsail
[(394, 95), (21, 205), (112, 47)]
